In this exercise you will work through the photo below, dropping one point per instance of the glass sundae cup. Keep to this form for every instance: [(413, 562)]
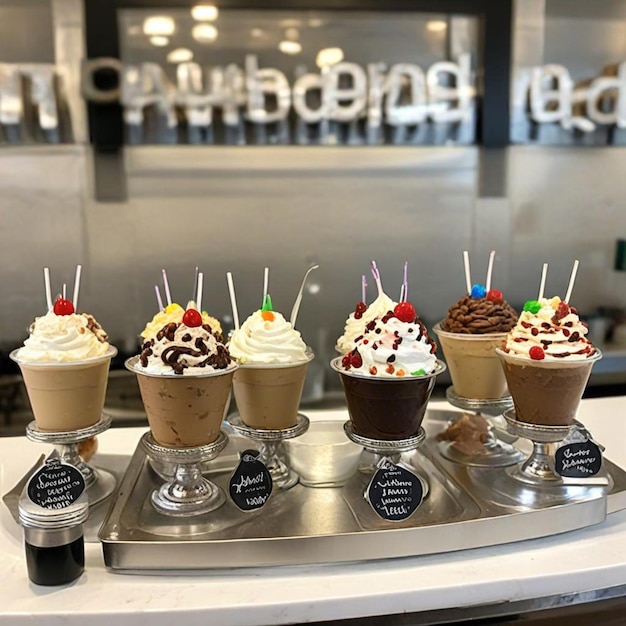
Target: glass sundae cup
[(386, 408), (474, 366), (66, 396), (184, 410), (546, 392), (268, 394)]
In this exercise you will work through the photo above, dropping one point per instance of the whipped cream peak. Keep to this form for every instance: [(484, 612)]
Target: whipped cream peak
[(267, 337), (392, 346), (64, 338), (549, 329), (358, 320)]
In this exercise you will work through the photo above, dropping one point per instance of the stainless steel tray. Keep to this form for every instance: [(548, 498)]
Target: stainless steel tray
[(465, 508)]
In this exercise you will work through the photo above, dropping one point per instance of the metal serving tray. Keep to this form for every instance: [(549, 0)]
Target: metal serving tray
[(464, 509)]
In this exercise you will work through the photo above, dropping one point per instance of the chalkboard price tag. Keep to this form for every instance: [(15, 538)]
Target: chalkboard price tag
[(394, 492), (578, 460), (55, 485), (251, 484)]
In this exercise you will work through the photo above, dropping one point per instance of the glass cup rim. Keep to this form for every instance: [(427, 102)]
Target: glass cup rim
[(446, 334), (131, 362), (108, 355), (440, 368), (309, 356), (516, 358)]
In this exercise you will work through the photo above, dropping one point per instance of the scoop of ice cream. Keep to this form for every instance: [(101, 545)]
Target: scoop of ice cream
[(267, 337), (181, 349), (479, 316), (357, 321), (173, 313), (394, 345), (550, 330), (64, 338)]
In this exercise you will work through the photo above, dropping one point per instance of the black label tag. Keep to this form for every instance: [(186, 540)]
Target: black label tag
[(578, 460), (251, 485), (56, 485), (394, 492)]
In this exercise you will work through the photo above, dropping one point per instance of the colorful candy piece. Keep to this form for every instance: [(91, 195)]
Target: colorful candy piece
[(536, 353), (495, 296), (267, 303), (532, 306), (360, 308), (478, 291)]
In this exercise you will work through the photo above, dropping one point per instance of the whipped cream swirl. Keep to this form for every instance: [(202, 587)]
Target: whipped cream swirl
[(392, 348), (64, 338), (553, 332), (173, 313), (180, 349), (357, 321), (267, 337)]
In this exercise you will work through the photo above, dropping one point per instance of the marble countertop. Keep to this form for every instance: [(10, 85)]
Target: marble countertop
[(585, 560)]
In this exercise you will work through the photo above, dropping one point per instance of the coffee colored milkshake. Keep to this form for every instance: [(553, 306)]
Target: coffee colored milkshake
[(389, 376), (470, 333), (273, 361), (547, 361), (185, 374), (65, 364)]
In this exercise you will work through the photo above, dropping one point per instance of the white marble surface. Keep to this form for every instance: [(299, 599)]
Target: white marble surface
[(593, 558)]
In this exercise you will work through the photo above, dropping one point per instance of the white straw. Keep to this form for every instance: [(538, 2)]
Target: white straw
[(158, 296), (166, 285), (233, 300), (572, 278), (468, 280), (266, 280), (46, 280), (200, 286), (79, 269), (542, 285), (492, 256), (296, 305), (401, 293), (195, 284), (64, 291)]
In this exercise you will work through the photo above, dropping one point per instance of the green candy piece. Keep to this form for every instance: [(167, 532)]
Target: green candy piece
[(532, 306), (267, 303), (418, 373)]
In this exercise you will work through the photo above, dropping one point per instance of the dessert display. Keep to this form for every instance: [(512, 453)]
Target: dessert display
[(273, 362), (547, 361), (469, 335), (184, 374), (65, 364), (389, 375)]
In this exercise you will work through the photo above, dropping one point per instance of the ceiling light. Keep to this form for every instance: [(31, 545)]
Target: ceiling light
[(293, 34), (328, 57), (290, 47), (315, 22), (257, 32), (159, 25), (204, 12), (436, 26), (290, 23), (159, 41), (180, 55), (204, 33)]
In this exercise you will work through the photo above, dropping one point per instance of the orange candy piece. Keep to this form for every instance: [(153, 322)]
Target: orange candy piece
[(268, 316)]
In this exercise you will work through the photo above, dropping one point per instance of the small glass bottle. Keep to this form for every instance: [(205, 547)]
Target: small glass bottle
[(53, 537)]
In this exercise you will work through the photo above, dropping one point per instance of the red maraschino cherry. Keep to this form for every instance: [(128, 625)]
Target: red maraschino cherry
[(405, 312), (192, 318), (63, 307)]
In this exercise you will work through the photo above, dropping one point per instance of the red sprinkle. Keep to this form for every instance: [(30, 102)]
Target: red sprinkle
[(536, 353)]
